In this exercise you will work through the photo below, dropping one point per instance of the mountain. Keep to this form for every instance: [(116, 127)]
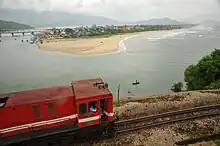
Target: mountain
[(52, 19), (210, 22), (164, 21), (13, 25), (61, 19)]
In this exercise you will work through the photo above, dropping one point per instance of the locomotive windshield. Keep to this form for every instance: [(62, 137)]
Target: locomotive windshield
[(3, 101)]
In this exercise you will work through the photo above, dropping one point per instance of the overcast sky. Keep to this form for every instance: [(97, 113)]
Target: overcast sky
[(126, 10)]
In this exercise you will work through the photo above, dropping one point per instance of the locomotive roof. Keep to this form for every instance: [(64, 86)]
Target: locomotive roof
[(82, 89), (36, 95), (90, 88)]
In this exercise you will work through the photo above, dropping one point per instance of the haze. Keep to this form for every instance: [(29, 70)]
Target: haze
[(126, 10)]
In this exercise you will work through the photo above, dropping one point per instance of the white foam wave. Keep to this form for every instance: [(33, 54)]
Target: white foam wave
[(121, 44), (156, 38), (172, 34), (185, 32)]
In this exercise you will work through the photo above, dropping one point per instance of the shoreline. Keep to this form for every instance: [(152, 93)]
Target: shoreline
[(90, 46)]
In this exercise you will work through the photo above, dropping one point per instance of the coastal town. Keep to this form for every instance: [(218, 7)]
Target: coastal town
[(93, 39)]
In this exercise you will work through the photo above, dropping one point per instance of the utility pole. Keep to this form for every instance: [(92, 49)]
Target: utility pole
[(118, 93), (218, 90)]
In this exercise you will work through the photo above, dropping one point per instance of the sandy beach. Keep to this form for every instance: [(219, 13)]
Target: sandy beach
[(88, 45)]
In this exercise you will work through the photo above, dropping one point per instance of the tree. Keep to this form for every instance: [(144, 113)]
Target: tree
[(177, 87), (215, 85), (204, 73)]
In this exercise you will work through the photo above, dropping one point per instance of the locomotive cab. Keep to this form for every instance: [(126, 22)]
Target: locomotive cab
[(85, 109), (94, 102)]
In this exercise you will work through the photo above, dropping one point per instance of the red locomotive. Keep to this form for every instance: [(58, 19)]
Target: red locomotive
[(27, 115)]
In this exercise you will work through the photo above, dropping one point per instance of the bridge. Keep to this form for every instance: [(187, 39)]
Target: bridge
[(23, 32)]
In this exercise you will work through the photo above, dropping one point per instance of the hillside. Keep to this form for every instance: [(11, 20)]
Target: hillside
[(164, 21), (56, 19), (52, 19), (211, 23), (13, 25)]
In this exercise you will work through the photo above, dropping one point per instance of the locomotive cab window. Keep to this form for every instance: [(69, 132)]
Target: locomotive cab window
[(82, 108), (103, 105), (3, 101), (51, 110), (36, 111), (93, 106)]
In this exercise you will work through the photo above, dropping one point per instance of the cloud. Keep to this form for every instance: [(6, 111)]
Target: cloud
[(127, 10), (103, 1), (1, 2)]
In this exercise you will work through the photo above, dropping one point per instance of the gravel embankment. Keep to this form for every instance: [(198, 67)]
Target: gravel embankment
[(169, 134), (166, 103)]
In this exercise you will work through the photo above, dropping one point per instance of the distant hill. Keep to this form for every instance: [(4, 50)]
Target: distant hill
[(164, 21), (62, 19), (13, 25), (210, 22), (52, 19)]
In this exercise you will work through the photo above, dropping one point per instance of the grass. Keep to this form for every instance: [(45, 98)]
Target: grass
[(105, 35), (150, 99), (217, 142), (124, 101), (161, 97)]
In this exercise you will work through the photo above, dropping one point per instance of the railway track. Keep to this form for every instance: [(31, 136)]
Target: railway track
[(125, 126)]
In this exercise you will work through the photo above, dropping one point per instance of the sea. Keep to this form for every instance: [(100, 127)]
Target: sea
[(156, 60)]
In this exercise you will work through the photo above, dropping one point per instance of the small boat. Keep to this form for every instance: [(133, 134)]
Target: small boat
[(136, 83)]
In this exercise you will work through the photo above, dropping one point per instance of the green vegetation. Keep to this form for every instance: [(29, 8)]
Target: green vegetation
[(118, 30), (177, 87), (13, 25), (215, 85), (205, 74), (217, 142), (106, 31)]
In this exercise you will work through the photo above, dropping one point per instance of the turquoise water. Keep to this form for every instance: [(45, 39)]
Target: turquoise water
[(156, 59)]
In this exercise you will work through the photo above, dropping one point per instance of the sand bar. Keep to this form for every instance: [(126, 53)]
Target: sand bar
[(86, 46)]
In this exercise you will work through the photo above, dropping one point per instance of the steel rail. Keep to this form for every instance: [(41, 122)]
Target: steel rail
[(126, 125), (172, 113)]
